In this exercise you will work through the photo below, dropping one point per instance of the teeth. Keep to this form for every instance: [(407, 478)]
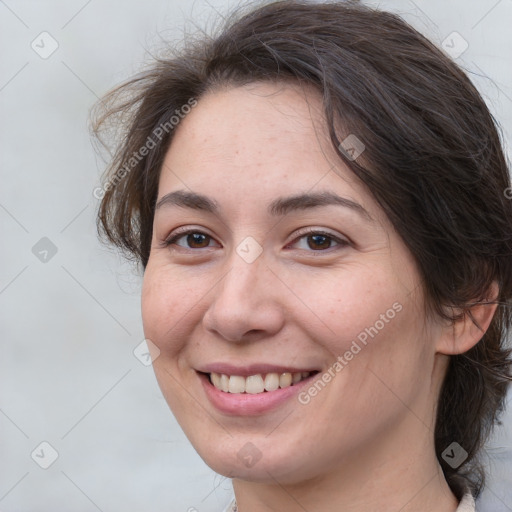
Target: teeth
[(224, 383), (255, 384), (216, 378), (236, 384), (285, 380), (271, 381), (296, 377)]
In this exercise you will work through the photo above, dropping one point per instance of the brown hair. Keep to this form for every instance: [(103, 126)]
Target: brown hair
[(433, 161)]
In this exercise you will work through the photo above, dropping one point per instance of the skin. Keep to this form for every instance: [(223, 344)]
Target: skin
[(366, 441)]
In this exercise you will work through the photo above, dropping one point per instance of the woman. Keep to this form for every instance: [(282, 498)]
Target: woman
[(318, 198)]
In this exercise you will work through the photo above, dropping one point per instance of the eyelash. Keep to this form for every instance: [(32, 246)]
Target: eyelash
[(301, 234)]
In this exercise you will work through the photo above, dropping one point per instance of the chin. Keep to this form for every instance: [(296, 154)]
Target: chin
[(251, 464)]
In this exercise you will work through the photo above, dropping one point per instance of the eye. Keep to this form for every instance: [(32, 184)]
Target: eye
[(191, 239), (311, 240), (318, 241)]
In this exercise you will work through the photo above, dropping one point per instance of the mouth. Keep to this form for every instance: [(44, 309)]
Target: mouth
[(257, 383), (257, 391)]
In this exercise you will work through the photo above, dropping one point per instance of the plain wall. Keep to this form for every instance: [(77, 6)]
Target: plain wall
[(70, 309)]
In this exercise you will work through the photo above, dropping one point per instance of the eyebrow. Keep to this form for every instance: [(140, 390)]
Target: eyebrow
[(278, 207)]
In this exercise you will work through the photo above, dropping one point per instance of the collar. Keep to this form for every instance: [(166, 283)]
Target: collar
[(467, 504)]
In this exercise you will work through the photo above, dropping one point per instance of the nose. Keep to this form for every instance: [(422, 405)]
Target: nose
[(245, 303)]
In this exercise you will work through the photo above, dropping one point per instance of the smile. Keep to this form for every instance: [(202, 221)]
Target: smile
[(254, 389), (258, 383)]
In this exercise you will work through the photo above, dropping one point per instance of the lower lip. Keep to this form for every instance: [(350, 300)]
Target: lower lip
[(246, 404)]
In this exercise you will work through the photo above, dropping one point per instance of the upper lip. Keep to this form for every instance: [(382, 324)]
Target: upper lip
[(251, 369)]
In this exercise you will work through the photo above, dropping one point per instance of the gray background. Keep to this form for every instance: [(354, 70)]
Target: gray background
[(70, 320)]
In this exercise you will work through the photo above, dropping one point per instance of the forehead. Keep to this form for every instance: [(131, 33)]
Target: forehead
[(259, 130)]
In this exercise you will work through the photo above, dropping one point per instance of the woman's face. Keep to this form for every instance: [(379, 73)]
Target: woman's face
[(269, 259)]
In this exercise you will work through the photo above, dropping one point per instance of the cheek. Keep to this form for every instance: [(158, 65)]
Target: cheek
[(167, 308), (168, 316), (346, 305), (386, 362), (369, 317)]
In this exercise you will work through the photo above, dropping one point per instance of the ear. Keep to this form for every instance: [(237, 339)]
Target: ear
[(465, 332)]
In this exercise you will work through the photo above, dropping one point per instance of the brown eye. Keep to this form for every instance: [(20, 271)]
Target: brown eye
[(318, 242), (198, 240), (191, 240)]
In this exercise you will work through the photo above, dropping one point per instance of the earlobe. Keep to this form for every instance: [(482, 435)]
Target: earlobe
[(470, 326)]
